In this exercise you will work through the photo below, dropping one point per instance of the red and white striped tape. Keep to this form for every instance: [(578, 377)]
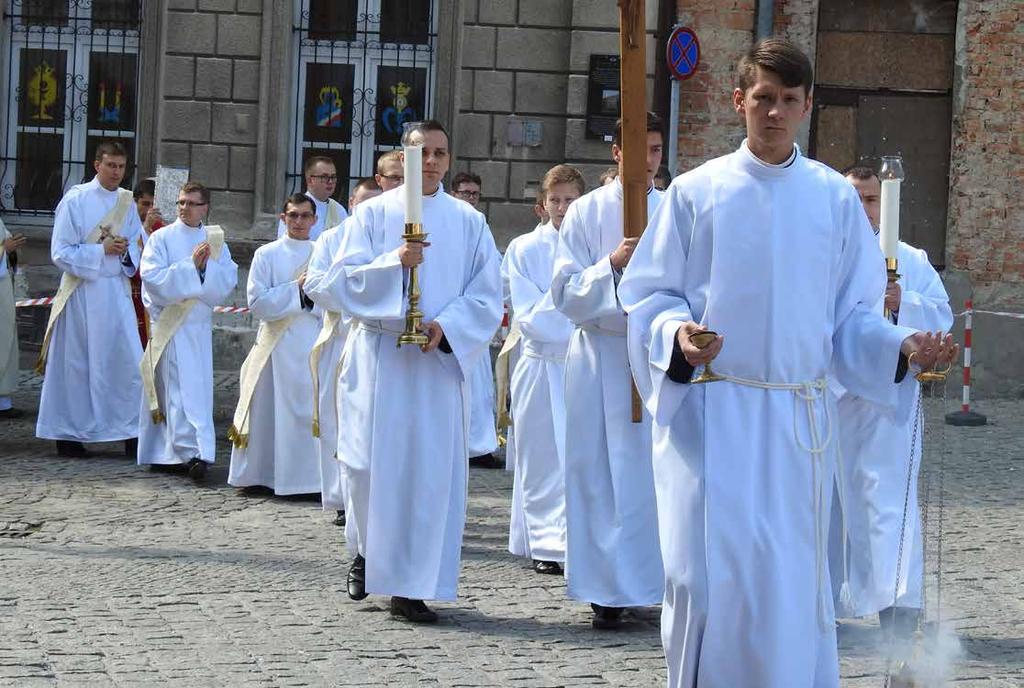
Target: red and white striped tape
[(46, 301)]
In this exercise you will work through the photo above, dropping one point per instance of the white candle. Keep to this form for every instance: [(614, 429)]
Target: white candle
[(413, 184), (889, 225)]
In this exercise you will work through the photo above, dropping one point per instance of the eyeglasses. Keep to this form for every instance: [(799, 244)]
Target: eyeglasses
[(325, 178), (466, 193), (300, 216), (393, 177), (191, 204)]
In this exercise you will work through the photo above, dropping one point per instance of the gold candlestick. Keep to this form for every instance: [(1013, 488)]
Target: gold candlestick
[(413, 316), (702, 340), (891, 269)]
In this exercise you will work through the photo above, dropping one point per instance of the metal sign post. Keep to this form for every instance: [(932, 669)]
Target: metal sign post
[(683, 55)]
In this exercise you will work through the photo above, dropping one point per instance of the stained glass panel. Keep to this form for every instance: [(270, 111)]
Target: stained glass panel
[(112, 79), (41, 87), (401, 97), (329, 94)]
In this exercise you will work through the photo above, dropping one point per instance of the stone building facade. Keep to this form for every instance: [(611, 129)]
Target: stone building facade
[(240, 91)]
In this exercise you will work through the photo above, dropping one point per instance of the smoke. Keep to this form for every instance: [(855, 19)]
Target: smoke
[(929, 660)]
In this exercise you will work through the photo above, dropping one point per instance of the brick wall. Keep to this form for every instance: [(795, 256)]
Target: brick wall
[(985, 236), (210, 115)]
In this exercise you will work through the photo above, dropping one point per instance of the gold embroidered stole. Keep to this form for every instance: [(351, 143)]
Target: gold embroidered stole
[(109, 225), (267, 337), (163, 330)]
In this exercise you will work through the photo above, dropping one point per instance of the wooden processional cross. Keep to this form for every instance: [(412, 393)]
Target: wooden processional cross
[(633, 99)]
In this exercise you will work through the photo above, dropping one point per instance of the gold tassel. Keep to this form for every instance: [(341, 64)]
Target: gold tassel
[(157, 416), (316, 428), (41, 365)]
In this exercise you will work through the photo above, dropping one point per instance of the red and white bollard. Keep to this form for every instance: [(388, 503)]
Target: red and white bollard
[(966, 417)]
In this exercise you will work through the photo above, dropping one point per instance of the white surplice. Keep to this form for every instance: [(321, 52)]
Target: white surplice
[(781, 261), (537, 526), (281, 452), (876, 455), (334, 494), (323, 209), (613, 557), (184, 376), (483, 437), (92, 385), (513, 357), (404, 413)]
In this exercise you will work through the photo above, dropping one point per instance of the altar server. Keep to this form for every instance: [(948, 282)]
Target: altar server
[(881, 457), (271, 430), (538, 496), (321, 177), (773, 252), (186, 271), (404, 444), (326, 353), (612, 560), (91, 349)]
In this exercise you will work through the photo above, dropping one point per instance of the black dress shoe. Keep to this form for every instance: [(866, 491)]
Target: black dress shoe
[(485, 461), (131, 447), (606, 618), (71, 449), (339, 520), (549, 567), (197, 470), (412, 610), (357, 579)]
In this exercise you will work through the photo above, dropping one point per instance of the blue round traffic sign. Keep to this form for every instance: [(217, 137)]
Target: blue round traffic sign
[(683, 53)]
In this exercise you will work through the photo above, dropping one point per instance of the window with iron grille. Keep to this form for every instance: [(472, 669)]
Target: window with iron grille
[(70, 81), (363, 68)]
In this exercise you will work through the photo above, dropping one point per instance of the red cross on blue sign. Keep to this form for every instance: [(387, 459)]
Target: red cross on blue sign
[(683, 53)]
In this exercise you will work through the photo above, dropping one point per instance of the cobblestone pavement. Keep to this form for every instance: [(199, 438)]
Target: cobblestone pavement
[(111, 574)]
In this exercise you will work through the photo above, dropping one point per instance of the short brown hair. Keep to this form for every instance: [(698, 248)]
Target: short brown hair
[(368, 183), (196, 187), (780, 57), (861, 172), (297, 199), (316, 160), (463, 177), (423, 127), (563, 174), (390, 156), (112, 148), (654, 124)]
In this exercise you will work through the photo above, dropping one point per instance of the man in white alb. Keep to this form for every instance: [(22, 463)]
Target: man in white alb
[(612, 557), (321, 181), (273, 445), (881, 458), (404, 409), (773, 252), (186, 271), (91, 349)]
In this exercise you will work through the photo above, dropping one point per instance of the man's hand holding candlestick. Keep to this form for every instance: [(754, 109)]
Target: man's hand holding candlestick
[(411, 253), (893, 296), (434, 333)]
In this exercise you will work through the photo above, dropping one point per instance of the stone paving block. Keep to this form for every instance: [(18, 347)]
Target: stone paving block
[(238, 35), (213, 78), (204, 586), (191, 33)]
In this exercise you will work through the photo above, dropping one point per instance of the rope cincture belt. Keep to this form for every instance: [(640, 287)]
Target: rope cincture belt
[(810, 393), (552, 353), (597, 329), (377, 328)]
